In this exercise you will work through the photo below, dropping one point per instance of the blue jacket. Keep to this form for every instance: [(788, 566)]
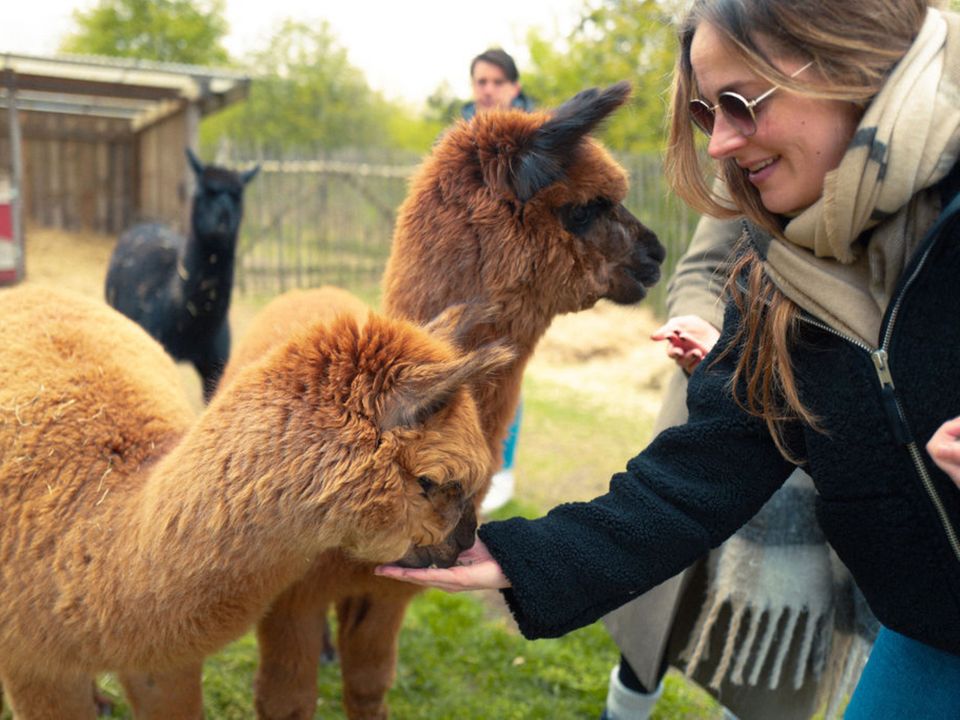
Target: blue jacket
[(891, 514), (520, 102)]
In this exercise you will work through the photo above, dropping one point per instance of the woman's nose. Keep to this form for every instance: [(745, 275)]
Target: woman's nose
[(725, 139)]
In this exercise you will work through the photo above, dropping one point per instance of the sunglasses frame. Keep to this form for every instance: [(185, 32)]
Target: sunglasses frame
[(748, 104)]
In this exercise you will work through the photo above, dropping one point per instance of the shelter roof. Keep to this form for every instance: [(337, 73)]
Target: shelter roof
[(139, 91)]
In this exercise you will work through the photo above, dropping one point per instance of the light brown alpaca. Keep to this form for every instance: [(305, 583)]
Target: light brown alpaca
[(521, 212), (138, 539)]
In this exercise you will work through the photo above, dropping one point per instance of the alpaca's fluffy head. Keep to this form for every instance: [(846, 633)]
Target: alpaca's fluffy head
[(380, 415), (217, 200), (523, 211)]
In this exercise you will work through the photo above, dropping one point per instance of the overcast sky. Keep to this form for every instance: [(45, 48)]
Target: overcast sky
[(406, 48)]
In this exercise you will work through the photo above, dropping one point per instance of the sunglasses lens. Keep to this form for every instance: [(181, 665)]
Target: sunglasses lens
[(738, 113), (702, 115)]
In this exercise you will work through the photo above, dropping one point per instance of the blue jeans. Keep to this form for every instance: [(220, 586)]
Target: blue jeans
[(510, 442), (906, 679)]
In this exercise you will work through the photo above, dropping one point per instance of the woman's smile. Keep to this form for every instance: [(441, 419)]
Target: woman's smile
[(798, 139)]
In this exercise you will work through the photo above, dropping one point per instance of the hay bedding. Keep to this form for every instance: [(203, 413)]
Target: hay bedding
[(605, 358)]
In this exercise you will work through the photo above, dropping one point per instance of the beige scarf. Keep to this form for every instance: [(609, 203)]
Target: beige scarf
[(908, 140)]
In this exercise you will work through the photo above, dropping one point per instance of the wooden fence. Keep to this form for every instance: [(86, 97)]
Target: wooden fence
[(316, 222)]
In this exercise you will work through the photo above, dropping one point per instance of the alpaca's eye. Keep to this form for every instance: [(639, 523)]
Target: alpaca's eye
[(426, 484), (578, 218), (581, 215)]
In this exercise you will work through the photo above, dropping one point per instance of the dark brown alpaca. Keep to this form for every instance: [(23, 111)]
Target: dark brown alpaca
[(136, 538), (519, 212)]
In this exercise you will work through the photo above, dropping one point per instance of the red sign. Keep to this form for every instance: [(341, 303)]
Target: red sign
[(8, 249)]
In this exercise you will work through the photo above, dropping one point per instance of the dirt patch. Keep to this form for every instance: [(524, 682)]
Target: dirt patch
[(606, 358), (78, 261)]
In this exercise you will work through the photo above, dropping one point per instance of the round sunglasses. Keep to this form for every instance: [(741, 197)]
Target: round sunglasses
[(736, 108)]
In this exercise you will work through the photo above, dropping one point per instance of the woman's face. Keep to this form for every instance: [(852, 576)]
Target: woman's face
[(798, 139)]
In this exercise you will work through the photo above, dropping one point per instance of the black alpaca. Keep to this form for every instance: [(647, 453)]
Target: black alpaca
[(178, 289)]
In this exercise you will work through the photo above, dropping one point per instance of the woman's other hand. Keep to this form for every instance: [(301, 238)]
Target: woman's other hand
[(689, 339), (944, 448), (476, 569)]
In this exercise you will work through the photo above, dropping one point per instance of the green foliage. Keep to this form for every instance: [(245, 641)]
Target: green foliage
[(182, 31), (305, 95), (307, 98), (614, 40), (443, 106), (410, 131)]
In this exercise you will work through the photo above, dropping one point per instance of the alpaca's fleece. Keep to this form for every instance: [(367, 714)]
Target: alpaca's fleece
[(136, 540), (518, 213)]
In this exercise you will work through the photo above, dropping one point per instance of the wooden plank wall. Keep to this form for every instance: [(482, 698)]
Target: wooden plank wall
[(165, 180), (78, 172)]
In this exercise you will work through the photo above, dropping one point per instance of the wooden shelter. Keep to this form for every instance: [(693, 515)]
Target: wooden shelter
[(94, 143)]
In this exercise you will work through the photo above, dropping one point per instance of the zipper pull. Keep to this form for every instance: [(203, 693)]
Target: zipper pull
[(889, 398)]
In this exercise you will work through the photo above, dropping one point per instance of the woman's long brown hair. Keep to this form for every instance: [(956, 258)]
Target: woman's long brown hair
[(763, 382)]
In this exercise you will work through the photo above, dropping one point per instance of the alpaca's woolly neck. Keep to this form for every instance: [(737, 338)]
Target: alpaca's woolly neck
[(203, 282)]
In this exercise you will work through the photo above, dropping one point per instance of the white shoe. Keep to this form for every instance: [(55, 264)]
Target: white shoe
[(626, 704), (501, 490)]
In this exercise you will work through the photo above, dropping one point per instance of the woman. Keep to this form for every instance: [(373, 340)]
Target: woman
[(836, 127)]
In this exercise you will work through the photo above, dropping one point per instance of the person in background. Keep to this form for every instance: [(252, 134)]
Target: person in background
[(495, 82), (496, 86), (836, 130)]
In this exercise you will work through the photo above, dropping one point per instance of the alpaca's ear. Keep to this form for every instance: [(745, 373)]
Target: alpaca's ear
[(427, 389), (249, 174), (545, 160), (195, 163), (455, 323)]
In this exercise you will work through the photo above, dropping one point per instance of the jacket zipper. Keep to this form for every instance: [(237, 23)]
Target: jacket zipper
[(892, 407)]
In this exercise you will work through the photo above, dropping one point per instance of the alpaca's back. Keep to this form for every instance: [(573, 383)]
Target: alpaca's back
[(140, 278), (68, 361), (87, 399), (287, 314)]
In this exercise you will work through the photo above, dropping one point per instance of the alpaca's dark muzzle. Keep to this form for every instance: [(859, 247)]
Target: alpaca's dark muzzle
[(445, 554)]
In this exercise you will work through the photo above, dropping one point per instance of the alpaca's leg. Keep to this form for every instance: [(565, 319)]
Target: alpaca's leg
[(172, 695), (367, 639), (36, 698), (291, 637), (103, 703)]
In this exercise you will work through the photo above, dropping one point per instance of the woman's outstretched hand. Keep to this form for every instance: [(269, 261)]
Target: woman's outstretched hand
[(944, 448), (689, 339), (475, 570)]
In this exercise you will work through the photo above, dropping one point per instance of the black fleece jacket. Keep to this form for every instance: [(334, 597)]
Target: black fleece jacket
[(891, 514)]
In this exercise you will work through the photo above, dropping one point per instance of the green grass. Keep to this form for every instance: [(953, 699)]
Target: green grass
[(459, 661), (569, 447)]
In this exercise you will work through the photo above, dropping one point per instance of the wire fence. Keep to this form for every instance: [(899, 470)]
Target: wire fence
[(315, 222)]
